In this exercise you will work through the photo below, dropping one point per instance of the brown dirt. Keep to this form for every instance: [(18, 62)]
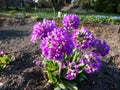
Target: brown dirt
[(22, 74)]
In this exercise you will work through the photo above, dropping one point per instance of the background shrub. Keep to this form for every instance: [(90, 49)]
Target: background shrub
[(118, 8), (110, 6)]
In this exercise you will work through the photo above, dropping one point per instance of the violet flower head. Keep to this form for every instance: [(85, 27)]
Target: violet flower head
[(40, 30), (57, 44), (73, 69), (1, 52), (100, 47), (92, 61), (71, 21), (83, 38)]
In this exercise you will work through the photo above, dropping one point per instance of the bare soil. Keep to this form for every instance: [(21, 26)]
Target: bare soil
[(23, 74)]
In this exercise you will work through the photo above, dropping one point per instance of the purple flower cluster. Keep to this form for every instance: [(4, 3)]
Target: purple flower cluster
[(40, 29), (83, 38), (71, 21), (92, 62), (100, 47), (57, 44), (67, 45), (73, 69)]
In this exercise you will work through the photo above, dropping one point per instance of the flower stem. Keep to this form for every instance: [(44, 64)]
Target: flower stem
[(75, 55), (60, 67)]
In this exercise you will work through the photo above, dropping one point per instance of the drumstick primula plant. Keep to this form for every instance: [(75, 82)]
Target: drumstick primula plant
[(68, 51)]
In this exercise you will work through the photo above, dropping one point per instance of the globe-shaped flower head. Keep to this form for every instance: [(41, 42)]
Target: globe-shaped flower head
[(83, 38), (100, 47), (92, 62), (57, 44), (72, 70), (40, 30), (71, 21)]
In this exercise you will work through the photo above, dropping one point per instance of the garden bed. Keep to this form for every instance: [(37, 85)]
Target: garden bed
[(23, 74)]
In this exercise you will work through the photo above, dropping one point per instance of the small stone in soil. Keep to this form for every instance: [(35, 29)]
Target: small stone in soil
[(1, 85)]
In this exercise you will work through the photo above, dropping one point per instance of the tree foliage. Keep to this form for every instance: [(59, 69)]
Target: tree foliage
[(107, 6)]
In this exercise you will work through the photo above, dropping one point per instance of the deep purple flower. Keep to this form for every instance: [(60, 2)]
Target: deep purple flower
[(40, 30), (82, 38), (92, 62), (1, 52), (100, 47), (73, 69), (57, 44), (71, 21)]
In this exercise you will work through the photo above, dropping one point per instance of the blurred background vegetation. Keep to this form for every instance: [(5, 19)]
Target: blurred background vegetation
[(107, 6), (96, 11)]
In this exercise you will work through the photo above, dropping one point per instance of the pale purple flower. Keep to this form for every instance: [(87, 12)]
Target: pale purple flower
[(38, 62), (71, 21), (1, 52)]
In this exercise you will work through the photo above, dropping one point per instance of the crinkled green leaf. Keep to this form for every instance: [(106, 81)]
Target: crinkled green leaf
[(3, 60), (52, 78)]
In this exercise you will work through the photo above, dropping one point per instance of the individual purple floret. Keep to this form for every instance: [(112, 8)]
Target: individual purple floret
[(92, 62), (100, 47), (57, 44), (71, 21), (82, 38), (1, 52), (73, 69), (40, 30)]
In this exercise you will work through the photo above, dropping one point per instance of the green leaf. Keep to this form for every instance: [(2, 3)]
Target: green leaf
[(80, 77), (51, 65), (3, 60), (63, 73), (57, 88), (70, 85), (62, 86), (10, 58), (52, 78), (1, 66)]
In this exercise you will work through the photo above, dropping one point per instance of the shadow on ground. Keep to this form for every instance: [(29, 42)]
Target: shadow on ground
[(23, 74), (107, 79), (10, 34)]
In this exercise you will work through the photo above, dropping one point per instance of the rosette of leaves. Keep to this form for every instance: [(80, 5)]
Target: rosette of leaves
[(5, 60), (57, 72)]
